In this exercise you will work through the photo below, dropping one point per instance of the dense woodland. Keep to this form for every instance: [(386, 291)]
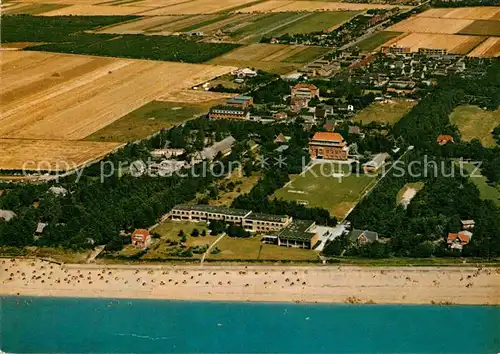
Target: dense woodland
[(68, 34)]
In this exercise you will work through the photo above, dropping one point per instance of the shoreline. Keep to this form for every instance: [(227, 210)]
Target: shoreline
[(263, 283)]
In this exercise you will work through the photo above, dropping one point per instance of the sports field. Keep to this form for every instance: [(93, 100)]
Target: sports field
[(327, 186), (277, 58), (389, 112), (474, 122), (57, 97)]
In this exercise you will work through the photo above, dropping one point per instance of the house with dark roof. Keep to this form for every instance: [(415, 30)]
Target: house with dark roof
[(362, 237), (298, 234)]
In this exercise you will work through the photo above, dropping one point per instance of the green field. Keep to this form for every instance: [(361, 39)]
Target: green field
[(147, 120), (476, 123), (252, 249), (262, 25), (486, 191), (376, 40), (482, 28), (307, 56), (324, 187), (385, 113), (315, 22)]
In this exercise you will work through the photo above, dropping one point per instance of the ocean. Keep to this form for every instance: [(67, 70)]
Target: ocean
[(81, 325)]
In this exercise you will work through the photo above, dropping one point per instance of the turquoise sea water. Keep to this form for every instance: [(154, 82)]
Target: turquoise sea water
[(77, 325)]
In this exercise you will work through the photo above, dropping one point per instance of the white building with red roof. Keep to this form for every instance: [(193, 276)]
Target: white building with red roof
[(141, 238)]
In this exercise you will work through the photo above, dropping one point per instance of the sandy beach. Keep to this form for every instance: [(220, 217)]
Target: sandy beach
[(308, 284)]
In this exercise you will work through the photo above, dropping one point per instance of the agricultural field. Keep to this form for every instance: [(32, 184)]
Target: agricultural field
[(455, 44), (30, 9), (474, 122), (482, 28), (376, 40), (490, 48), (274, 58), (310, 6), (147, 120), (329, 186), (195, 7), (419, 24), (50, 155), (468, 13), (389, 112), (252, 248), (57, 97)]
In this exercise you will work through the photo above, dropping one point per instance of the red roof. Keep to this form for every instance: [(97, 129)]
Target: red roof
[(462, 236), (328, 136), (445, 139), (140, 233), (305, 86)]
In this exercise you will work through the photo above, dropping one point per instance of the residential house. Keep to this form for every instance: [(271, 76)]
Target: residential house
[(166, 153), (280, 139), (280, 116), (467, 224), (362, 237), (445, 139), (141, 238), (246, 72), (329, 146), (356, 130), (39, 230), (457, 241)]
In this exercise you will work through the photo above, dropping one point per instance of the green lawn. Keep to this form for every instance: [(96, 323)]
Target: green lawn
[(385, 113), (308, 55), (169, 230), (147, 120), (376, 40), (252, 249), (474, 122), (315, 22), (323, 186), (486, 191)]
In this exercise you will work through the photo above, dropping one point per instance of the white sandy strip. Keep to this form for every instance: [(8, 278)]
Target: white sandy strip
[(327, 284)]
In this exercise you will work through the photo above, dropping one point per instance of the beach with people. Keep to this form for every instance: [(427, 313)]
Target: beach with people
[(264, 283)]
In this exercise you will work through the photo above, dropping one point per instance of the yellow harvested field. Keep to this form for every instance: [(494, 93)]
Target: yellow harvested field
[(195, 96), (455, 44), (297, 6), (63, 2), (50, 155), (50, 101), (195, 7), (82, 94), (490, 48), (256, 51), (467, 13), (91, 10), (430, 25)]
